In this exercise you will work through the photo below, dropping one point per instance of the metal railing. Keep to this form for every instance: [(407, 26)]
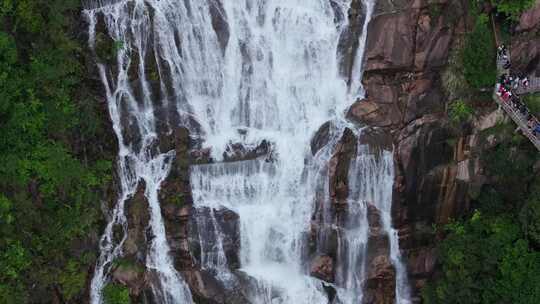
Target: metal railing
[(533, 87), (518, 118), (514, 113)]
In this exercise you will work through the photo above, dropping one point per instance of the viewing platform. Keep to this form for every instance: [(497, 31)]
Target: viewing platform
[(517, 117)]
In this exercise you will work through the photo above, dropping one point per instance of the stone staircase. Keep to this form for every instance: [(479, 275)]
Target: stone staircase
[(517, 117)]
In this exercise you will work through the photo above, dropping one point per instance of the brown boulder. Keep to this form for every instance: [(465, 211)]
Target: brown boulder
[(130, 275), (368, 112), (322, 267), (380, 283)]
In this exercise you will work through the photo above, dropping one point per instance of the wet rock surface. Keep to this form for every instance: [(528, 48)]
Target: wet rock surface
[(338, 169), (349, 40), (206, 226), (321, 138), (380, 282), (137, 220), (322, 267)]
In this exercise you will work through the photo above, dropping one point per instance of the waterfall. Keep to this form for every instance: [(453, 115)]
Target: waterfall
[(371, 178), (137, 159), (239, 72)]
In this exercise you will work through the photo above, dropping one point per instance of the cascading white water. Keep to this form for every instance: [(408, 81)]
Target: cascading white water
[(371, 178), (276, 80), (137, 160)]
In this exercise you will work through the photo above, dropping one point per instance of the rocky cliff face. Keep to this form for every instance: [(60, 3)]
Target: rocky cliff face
[(438, 166), (526, 42)]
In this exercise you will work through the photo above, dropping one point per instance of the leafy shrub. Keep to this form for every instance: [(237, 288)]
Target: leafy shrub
[(72, 280), (116, 294), (459, 111)]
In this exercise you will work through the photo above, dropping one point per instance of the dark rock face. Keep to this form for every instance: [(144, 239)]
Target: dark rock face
[(238, 152), (321, 138), (396, 99), (525, 51), (176, 200), (137, 219), (426, 156), (207, 225), (191, 231), (437, 168), (376, 139), (350, 38), (338, 169), (219, 23)]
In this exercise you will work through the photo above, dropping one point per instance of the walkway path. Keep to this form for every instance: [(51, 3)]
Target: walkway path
[(517, 117)]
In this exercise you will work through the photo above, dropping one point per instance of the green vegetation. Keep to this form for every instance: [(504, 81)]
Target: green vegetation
[(53, 167), (459, 111), (479, 55), (491, 256), (513, 8), (533, 102), (128, 264), (116, 294)]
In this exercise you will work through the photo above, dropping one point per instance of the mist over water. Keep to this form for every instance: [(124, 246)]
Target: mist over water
[(241, 72)]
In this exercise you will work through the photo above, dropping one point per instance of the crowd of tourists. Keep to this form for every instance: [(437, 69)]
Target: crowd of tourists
[(507, 86)]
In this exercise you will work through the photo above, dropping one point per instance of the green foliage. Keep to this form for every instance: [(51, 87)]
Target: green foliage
[(459, 111), (512, 167), (486, 260), (50, 182), (530, 216), (478, 55), (128, 265), (533, 102), (116, 294), (73, 279), (513, 8)]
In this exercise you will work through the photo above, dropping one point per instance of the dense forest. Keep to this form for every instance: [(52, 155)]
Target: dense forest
[(55, 154), (57, 162)]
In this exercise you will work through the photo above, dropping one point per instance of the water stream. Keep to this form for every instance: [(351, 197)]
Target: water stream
[(240, 71)]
